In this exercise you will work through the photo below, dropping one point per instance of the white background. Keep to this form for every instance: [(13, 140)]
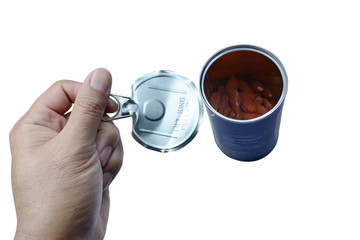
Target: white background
[(307, 188)]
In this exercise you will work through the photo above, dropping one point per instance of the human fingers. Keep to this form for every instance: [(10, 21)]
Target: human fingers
[(113, 165), (106, 141), (47, 111), (90, 105), (110, 108), (58, 97), (49, 108)]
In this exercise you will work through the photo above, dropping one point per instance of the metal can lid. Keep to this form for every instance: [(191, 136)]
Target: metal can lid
[(169, 111)]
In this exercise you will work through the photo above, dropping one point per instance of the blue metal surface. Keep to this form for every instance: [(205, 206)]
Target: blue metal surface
[(246, 140)]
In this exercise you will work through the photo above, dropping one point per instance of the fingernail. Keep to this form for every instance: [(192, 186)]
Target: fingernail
[(101, 80), (107, 178), (104, 155)]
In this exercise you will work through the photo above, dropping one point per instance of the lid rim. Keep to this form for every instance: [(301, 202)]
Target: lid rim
[(198, 108)]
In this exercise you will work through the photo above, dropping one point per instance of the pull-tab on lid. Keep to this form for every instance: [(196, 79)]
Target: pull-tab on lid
[(169, 111)]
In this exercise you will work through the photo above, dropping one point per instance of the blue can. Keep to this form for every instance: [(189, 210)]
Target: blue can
[(253, 139)]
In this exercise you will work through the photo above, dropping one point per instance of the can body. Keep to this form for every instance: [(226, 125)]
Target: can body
[(253, 139)]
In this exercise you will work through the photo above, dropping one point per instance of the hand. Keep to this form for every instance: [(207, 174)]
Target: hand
[(62, 164)]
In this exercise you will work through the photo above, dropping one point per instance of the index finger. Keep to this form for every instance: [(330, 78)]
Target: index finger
[(58, 98)]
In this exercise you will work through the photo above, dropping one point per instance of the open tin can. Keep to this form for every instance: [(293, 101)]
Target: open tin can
[(245, 136), (167, 109)]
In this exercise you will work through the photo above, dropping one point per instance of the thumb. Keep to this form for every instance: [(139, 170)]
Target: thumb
[(90, 104)]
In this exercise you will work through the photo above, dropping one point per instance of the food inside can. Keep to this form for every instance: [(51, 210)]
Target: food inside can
[(241, 97)]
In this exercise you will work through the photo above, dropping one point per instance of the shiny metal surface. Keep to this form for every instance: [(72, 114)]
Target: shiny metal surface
[(170, 111), (166, 109), (126, 107)]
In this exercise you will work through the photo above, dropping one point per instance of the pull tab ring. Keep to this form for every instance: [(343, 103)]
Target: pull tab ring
[(126, 107)]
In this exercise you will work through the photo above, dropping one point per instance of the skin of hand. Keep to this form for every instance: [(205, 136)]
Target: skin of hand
[(62, 163)]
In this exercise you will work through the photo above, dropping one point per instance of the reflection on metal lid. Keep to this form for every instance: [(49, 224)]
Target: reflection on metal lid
[(170, 111)]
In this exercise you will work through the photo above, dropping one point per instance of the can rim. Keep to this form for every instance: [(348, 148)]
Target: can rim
[(243, 47)]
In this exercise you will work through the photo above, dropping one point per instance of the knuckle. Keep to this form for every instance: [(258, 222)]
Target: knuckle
[(14, 131), (60, 82), (90, 106), (114, 133), (11, 136), (116, 161), (63, 81), (110, 131)]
